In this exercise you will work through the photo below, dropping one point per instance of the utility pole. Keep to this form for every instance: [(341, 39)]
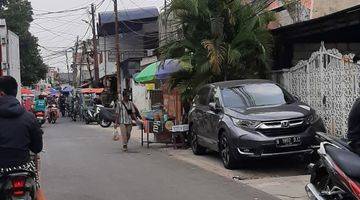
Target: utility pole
[(75, 71), (88, 62), (166, 20), (105, 54), (117, 47), (95, 51), (67, 66)]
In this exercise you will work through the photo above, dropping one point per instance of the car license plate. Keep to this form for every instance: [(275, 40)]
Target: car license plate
[(288, 142), (40, 118)]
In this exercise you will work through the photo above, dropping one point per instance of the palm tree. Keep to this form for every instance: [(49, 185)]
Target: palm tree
[(221, 40)]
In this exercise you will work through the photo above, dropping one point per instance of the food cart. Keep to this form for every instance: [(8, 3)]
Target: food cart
[(160, 122)]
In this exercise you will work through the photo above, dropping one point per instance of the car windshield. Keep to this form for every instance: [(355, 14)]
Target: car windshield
[(255, 95)]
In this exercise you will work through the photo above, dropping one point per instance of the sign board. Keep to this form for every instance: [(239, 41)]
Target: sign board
[(150, 86)]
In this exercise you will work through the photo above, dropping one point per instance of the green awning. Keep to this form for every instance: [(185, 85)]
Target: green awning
[(148, 74)]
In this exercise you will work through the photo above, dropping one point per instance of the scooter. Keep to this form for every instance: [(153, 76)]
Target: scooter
[(106, 117), (18, 184), (92, 114), (53, 114), (336, 176), (40, 117)]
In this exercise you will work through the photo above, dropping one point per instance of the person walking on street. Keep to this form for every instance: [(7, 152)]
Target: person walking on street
[(125, 114)]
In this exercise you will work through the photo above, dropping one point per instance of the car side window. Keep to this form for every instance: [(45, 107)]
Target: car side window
[(214, 96), (203, 95)]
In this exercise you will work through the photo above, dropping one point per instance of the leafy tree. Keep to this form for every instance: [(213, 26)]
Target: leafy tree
[(18, 15), (221, 40)]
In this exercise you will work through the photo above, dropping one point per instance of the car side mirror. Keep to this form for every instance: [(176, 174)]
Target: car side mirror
[(214, 107)]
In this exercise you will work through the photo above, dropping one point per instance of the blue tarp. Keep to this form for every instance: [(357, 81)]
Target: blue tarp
[(53, 91), (67, 89), (167, 68), (128, 15)]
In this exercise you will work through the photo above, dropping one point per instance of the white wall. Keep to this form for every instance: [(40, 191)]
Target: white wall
[(140, 97), (14, 58)]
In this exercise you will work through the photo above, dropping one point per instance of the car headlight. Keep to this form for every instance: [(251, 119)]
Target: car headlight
[(246, 123), (313, 118)]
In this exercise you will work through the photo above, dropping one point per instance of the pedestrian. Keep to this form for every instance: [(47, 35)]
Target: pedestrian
[(125, 115)]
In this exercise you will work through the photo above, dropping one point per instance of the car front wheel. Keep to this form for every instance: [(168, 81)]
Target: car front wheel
[(227, 153), (195, 146)]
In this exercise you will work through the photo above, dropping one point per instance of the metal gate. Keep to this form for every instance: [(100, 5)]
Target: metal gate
[(328, 82)]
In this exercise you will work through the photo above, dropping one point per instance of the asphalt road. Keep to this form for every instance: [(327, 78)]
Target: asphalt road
[(83, 163)]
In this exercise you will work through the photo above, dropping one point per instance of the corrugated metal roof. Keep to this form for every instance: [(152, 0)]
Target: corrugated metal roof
[(129, 15)]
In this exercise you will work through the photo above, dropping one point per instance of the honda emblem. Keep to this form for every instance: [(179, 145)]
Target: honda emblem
[(285, 124)]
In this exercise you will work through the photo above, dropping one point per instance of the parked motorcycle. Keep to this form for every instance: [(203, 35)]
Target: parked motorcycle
[(336, 176), (53, 113), (40, 117), (74, 110), (106, 117), (92, 114)]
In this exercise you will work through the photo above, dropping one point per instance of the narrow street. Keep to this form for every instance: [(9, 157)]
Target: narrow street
[(80, 162)]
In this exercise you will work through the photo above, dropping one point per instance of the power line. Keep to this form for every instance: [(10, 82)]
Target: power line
[(60, 12), (50, 31), (57, 17), (58, 25), (142, 8)]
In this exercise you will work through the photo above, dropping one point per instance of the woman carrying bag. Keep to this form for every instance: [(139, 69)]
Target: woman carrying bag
[(125, 115)]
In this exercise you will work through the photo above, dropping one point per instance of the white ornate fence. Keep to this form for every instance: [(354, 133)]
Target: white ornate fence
[(327, 82)]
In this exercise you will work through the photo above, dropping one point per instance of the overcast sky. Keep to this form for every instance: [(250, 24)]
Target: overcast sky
[(56, 32)]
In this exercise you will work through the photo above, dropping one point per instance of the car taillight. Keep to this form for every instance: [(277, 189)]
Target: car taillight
[(353, 185), (18, 186)]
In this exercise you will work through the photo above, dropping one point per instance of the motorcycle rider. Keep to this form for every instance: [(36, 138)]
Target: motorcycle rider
[(40, 104), (19, 131), (354, 127), (62, 104)]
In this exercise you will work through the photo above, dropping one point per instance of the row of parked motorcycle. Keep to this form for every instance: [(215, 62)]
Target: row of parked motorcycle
[(92, 114)]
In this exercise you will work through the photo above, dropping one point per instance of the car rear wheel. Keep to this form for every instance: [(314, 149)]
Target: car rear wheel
[(227, 154), (195, 146)]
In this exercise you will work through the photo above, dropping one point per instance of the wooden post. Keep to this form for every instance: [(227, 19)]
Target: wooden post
[(74, 67), (117, 48), (95, 51)]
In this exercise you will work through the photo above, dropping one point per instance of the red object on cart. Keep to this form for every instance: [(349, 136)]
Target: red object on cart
[(92, 90)]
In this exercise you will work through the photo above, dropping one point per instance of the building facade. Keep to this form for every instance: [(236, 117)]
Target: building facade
[(139, 39)]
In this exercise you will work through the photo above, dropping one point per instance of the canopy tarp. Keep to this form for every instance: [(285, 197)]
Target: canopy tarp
[(148, 74), (167, 68), (92, 90), (26, 91), (67, 89), (53, 91)]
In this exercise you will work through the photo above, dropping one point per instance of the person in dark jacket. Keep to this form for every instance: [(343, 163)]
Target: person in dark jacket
[(354, 126), (19, 131)]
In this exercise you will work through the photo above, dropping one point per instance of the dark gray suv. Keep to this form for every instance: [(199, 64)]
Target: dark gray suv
[(251, 118)]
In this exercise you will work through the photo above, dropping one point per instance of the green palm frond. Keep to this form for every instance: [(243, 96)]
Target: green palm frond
[(222, 39)]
